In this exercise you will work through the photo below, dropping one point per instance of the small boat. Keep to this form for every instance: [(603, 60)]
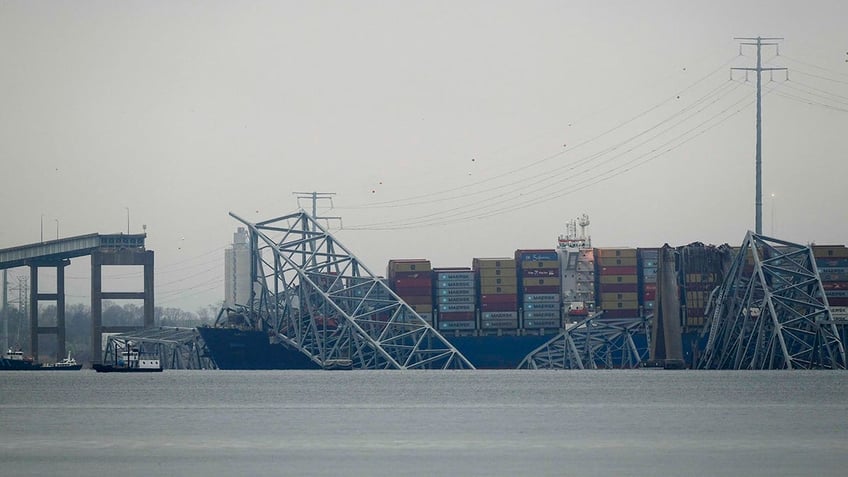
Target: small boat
[(67, 364), (130, 362), (14, 360)]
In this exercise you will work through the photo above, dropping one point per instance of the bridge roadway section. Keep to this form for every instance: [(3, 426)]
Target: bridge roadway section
[(104, 249)]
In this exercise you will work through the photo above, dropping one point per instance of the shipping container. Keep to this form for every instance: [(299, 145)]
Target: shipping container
[(500, 315), (411, 283), (539, 272), (837, 301), (456, 316), (835, 285), (536, 255), (836, 294), (489, 273), (649, 264), (617, 270), (499, 324), (831, 262), (615, 262), (540, 282), (618, 279), (618, 288), (498, 281), (541, 306), (839, 312), (499, 298), (413, 291), (454, 291), (632, 313), (453, 283), (457, 325), (421, 308), (417, 299), (830, 251), (531, 265), (537, 289), (615, 252), (453, 276), (488, 263), (396, 275), (498, 290), (453, 300), (618, 305), (648, 253), (611, 297), (451, 308), (410, 265), (493, 307), (544, 297)]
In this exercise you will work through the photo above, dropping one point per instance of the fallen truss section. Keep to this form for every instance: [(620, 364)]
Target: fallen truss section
[(771, 312), (177, 348), (312, 294), (595, 343)]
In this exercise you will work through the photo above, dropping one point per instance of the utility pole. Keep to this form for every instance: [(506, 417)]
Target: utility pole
[(4, 313), (315, 196), (759, 42)]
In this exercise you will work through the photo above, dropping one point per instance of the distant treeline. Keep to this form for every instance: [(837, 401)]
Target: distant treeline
[(78, 325)]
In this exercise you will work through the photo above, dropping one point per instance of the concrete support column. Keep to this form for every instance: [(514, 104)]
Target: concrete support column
[(96, 307), (148, 289), (33, 311), (60, 311)]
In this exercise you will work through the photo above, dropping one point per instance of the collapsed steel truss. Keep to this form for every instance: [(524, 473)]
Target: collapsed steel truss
[(771, 312), (595, 343), (177, 348), (312, 294)]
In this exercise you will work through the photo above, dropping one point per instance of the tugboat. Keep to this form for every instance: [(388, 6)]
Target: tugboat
[(130, 362), (67, 364), (14, 360)]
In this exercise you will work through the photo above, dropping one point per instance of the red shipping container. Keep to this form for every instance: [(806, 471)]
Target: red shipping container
[(457, 316), (511, 298), (617, 270), (499, 306), (541, 289), (840, 301), (413, 291), (835, 285), (618, 288), (650, 295), (650, 287)]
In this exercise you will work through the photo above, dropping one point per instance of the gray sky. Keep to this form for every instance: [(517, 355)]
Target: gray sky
[(502, 119)]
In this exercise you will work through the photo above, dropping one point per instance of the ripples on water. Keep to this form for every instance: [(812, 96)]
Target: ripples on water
[(198, 423)]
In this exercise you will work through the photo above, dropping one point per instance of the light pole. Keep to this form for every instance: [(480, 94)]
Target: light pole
[(57, 228), (772, 214), (42, 227), (128, 220)]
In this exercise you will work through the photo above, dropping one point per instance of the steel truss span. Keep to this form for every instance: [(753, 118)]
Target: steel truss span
[(595, 343), (771, 312), (176, 348), (312, 294)]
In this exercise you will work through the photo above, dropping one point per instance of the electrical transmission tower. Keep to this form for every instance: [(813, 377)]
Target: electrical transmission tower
[(759, 42)]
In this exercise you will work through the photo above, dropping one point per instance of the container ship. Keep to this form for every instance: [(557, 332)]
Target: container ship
[(501, 309)]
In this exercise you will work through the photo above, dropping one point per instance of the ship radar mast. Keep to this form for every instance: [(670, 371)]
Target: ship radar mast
[(571, 239)]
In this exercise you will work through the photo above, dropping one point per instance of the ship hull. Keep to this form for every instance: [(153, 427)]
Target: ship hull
[(108, 368), (237, 349)]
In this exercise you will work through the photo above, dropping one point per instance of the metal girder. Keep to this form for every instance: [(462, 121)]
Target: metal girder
[(312, 294), (595, 343), (177, 348), (771, 312)]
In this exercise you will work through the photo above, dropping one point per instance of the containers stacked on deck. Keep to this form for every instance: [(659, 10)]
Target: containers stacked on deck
[(700, 270), (648, 264), (832, 263), (454, 295), (538, 273), (497, 293), (412, 280), (618, 282)]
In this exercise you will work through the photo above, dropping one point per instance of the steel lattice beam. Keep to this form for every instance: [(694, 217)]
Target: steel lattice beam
[(177, 348), (771, 312), (312, 294), (595, 343)]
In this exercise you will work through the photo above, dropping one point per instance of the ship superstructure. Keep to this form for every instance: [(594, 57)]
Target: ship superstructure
[(577, 269)]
